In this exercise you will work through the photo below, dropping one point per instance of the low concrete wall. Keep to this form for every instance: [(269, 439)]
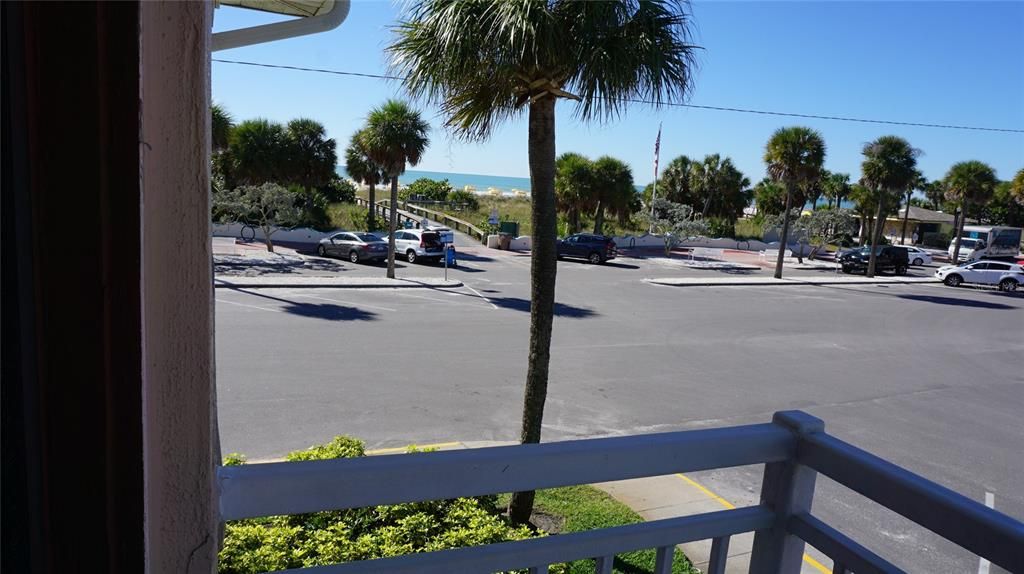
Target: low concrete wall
[(297, 235), (521, 243), (645, 241)]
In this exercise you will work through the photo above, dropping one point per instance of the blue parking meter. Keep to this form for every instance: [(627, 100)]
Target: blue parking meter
[(449, 256)]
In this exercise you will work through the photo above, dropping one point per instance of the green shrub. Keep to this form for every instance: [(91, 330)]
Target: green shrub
[(719, 227), (426, 188), (462, 196), (339, 191), (321, 538)]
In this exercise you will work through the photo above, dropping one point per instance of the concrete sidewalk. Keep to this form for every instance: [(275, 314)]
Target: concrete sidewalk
[(334, 282), (660, 497), (762, 281)]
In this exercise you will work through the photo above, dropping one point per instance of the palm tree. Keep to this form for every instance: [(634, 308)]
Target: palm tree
[(835, 186), (312, 157), (574, 183), (677, 181), (485, 62), (967, 183), (889, 167), (221, 124), (360, 168), (258, 152), (864, 204), (1017, 187), (394, 136), (794, 156), (613, 189), (921, 183), (935, 191)]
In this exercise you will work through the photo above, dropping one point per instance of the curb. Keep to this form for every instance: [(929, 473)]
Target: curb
[(334, 283), (693, 282)]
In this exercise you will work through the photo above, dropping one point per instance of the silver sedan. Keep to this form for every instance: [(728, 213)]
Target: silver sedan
[(354, 245)]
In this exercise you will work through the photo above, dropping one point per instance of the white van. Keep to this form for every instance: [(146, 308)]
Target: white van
[(984, 242)]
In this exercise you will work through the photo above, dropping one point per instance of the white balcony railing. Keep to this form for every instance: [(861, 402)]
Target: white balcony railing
[(794, 447)]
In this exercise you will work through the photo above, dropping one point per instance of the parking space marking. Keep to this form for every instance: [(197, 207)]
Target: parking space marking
[(730, 506), (983, 564), (271, 309), (481, 296)]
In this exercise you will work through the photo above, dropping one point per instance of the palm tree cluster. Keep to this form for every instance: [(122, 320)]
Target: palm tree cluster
[(483, 62), (597, 187), (394, 136), (713, 186), (257, 151)]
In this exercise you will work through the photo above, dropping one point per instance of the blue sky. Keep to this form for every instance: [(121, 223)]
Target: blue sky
[(931, 62)]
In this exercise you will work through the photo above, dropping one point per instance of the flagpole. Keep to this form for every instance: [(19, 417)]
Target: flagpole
[(654, 191)]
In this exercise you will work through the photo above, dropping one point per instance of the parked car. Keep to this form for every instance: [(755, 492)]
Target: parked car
[(594, 248), (416, 244), (1008, 276), (354, 245), (892, 258), (918, 256)]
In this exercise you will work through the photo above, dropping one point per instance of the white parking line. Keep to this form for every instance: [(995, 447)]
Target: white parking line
[(252, 306), (983, 565), (480, 296)]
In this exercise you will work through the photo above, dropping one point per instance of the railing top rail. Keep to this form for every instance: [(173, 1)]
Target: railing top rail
[(452, 218), (538, 552), (298, 487), (968, 523)]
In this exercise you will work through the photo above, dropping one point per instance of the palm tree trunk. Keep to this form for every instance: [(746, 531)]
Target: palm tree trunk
[(959, 230), (574, 221), (393, 226), (599, 218), (876, 234), (371, 217), (785, 231), (906, 216), (543, 265)]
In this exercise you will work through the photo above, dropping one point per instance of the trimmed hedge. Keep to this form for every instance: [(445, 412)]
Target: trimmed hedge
[(321, 538)]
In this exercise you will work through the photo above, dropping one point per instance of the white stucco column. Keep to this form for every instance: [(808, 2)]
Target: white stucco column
[(180, 437)]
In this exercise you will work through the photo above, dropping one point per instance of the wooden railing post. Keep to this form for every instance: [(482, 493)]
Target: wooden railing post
[(788, 489)]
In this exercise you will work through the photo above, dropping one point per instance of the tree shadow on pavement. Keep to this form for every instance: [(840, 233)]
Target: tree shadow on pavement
[(466, 256), (956, 302), (325, 311), (618, 265), (561, 309)]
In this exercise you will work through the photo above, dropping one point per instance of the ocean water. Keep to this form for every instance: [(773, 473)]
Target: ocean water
[(460, 180), (504, 183)]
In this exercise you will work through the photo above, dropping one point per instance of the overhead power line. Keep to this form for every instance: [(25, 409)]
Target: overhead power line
[(635, 101)]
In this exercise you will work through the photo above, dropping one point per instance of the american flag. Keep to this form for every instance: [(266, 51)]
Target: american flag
[(657, 150)]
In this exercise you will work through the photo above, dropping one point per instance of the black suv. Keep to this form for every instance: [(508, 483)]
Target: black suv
[(593, 248), (888, 258)]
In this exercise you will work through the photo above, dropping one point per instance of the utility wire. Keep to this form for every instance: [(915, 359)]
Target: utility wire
[(634, 101)]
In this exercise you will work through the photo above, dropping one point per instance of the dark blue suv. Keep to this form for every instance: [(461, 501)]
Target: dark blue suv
[(594, 248)]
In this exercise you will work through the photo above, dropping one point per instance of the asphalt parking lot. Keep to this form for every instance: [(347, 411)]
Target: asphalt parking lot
[(926, 376)]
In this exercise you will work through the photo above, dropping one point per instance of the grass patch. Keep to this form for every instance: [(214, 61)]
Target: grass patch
[(748, 229), (347, 216), (585, 508)]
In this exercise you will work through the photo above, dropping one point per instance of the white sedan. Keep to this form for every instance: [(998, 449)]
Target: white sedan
[(918, 256), (1007, 276)]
